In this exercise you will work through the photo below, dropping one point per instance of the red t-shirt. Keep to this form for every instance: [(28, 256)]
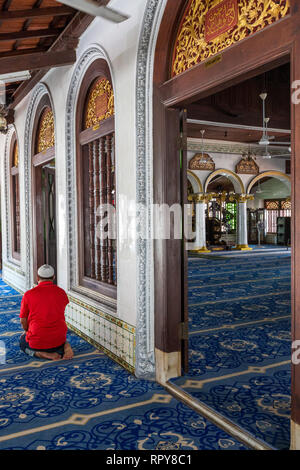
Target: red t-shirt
[(44, 307)]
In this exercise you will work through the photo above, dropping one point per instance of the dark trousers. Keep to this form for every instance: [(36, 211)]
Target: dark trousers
[(31, 351)]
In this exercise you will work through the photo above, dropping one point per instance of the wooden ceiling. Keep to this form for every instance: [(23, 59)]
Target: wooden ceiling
[(36, 35), (241, 105), (28, 29)]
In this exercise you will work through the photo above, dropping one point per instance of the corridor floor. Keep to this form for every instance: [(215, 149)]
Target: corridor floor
[(239, 340), (89, 403)]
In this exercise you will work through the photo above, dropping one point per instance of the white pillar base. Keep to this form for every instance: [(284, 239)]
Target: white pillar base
[(168, 365), (201, 250), (242, 248), (295, 436)]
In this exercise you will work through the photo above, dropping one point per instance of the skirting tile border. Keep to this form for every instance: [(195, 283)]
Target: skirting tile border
[(112, 335), (115, 358), (106, 316), (13, 268), (13, 287)]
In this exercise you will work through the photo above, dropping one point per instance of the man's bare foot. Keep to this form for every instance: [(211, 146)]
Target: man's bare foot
[(68, 352), (45, 355)]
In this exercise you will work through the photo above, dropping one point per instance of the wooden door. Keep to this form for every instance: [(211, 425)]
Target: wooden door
[(184, 255)]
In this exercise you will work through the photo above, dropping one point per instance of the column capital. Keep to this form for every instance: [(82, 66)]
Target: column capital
[(203, 197), (242, 198)]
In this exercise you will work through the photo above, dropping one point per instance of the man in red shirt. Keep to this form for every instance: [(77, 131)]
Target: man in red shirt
[(43, 319)]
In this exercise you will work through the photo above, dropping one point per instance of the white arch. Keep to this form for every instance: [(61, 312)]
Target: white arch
[(145, 356), (195, 182), (39, 91), (89, 56), (233, 177), (272, 174), (7, 200)]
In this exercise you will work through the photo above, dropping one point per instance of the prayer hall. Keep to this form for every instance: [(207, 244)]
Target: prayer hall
[(148, 157)]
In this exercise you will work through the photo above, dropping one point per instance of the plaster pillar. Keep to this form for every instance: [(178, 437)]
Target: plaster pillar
[(242, 230), (200, 206)]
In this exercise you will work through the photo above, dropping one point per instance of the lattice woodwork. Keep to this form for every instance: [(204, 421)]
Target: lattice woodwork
[(101, 187)]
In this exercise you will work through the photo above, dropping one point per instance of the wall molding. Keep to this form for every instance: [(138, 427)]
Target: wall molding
[(233, 148), (9, 136), (93, 53), (38, 92), (145, 354)]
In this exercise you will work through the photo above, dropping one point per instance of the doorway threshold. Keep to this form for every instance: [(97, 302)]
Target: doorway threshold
[(216, 418)]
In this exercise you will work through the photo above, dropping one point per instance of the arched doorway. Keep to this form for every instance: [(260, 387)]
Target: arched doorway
[(221, 219), (15, 199), (194, 186), (209, 74), (44, 194), (270, 211)]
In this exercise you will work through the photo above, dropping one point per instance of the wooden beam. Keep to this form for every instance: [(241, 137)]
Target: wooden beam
[(36, 13), (23, 52), (43, 157), (105, 127), (37, 61), (27, 23), (6, 4), (38, 33), (71, 33)]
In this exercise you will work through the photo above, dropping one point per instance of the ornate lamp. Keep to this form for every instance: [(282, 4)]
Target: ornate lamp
[(3, 124)]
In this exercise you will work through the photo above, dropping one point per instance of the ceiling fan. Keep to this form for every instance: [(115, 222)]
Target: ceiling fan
[(268, 155), (266, 138), (94, 8)]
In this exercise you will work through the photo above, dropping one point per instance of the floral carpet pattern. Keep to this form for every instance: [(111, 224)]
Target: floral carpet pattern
[(240, 342), (88, 403)]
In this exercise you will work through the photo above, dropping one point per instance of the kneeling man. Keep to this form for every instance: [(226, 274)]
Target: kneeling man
[(43, 319)]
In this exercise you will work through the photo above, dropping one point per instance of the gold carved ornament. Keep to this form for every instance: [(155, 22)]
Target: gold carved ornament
[(202, 162), (100, 104), (247, 166), (237, 18), (272, 205), (287, 204), (16, 155), (46, 133), (221, 197)]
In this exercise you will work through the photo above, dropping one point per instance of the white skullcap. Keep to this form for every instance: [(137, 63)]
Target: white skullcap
[(46, 271)]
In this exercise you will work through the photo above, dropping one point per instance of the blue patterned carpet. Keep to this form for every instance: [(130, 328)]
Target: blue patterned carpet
[(240, 343), (88, 403)]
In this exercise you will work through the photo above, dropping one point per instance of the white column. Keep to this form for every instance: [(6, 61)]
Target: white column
[(200, 206), (242, 230)]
